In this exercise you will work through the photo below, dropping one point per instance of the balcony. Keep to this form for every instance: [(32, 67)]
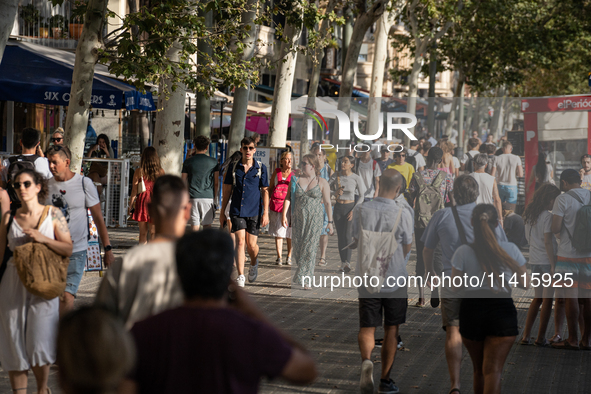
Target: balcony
[(41, 23)]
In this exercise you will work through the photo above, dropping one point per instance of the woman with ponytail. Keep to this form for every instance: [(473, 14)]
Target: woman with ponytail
[(488, 318)]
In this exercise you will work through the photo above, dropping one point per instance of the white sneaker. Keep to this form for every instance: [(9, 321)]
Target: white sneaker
[(366, 381), (240, 280), (253, 272)]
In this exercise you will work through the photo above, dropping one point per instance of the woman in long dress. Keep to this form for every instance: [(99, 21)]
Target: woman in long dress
[(308, 192), (28, 323)]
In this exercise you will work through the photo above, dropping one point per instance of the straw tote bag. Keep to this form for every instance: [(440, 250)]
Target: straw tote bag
[(42, 271)]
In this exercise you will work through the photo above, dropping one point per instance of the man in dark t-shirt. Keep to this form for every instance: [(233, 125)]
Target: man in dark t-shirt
[(201, 173), (514, 227), (201, 346)]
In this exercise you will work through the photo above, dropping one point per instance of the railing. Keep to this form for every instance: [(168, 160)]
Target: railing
[(53, 26)]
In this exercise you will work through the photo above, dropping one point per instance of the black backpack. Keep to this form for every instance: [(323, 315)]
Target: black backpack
[(412, 160), (469, 168), (17, 163)]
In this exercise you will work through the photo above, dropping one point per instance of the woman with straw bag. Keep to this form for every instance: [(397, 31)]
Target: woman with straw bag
[(28, 322)]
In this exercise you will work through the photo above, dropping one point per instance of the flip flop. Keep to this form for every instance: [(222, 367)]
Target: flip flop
[(583, 347), (565, 345), (419, 305), (455, 391), (322, 262), (525, 342), (545, 343)]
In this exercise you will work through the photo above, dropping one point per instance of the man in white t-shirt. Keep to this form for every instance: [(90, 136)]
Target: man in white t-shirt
[(569, 263), (73, 194), (585, 171), (473, 146), (419, 159), (369, 171), (508, 167), (30, 139)]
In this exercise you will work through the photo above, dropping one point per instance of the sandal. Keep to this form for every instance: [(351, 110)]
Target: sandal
[(565, 345), (322, 262), (278, 261), (583, 347), (454, 391), (544, 343), (555, 339), (525, 342), (288, 261), (419, 305)]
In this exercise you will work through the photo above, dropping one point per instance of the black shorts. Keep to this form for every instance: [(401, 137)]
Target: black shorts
[(483, 317), (251, 224), (394, 310)]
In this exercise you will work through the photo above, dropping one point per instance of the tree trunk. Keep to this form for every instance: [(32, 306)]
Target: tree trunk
[(475, 126), (283, 85), (413, 90), (170, 121), (461, 118), (8, 10), (202, 102), (498, 108), (240, 103), (432, 76), (374, 120), (454, 105), (82, 78), (347, 32)]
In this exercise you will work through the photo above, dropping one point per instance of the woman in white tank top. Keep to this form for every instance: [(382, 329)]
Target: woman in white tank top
[(28, 323)]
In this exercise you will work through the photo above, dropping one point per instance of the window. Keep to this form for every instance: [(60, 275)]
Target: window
[(363, 53)]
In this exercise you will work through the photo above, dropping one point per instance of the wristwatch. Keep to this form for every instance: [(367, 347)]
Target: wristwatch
[(108, 248)]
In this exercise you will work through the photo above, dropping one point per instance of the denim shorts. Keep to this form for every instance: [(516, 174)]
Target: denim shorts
[(508, 193), (75, 271)]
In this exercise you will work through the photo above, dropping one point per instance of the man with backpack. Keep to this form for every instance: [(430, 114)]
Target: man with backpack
[(467, 162), (429, 190), (382, 231), (74, 194), (571, 224), (247, 183), (369, 171), (415, 158), (31, 158)]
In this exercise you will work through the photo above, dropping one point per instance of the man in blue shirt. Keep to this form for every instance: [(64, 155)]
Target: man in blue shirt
[(246, 183), (443, 229)]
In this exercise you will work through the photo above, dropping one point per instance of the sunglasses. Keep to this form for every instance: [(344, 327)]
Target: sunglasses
[(56, 139), (400, 155), (26, 184), (248, 148)]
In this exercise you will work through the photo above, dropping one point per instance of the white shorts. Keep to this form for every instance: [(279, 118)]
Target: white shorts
[(202, 212)]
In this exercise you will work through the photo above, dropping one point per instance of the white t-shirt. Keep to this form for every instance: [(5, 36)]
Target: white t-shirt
[(41, 166), (72, 199), (586, 184), (507, 164), (420, 159), (535, 237), (456, 162), (485, 187), (367, 174), (472, 153), (567, 207)]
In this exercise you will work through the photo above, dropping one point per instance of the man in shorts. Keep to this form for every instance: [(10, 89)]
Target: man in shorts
[(247, 184), (508, 167), (570, 263), (73, 194), (201, 173), (381, 215), (443, 230)]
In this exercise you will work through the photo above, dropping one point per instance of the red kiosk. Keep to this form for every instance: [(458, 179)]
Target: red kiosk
[(562, 125)]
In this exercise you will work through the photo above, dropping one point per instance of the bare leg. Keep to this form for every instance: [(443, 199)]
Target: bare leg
[(581, 316), (252, 247), (496, 350), (152, 231), (143, 233), (278, 247), (323, 246), (367, 342), (240, 256), (586, 333), (41, 377), (545, 314), (18, 381), (532, 313), (572, 315), (195, 228), (559, 315), (476, 351), (66, 303), (288, 248), (389, 347), (453, 354)]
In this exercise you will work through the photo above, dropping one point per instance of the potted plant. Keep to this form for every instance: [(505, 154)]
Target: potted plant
[(77, 21), (56, 23), (44, 30), (31, 18)]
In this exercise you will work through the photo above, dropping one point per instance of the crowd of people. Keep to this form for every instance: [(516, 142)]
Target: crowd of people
[(179, 283)]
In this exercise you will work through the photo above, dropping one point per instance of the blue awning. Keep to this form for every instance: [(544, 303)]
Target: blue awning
[(139, 100), (32, 74)]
